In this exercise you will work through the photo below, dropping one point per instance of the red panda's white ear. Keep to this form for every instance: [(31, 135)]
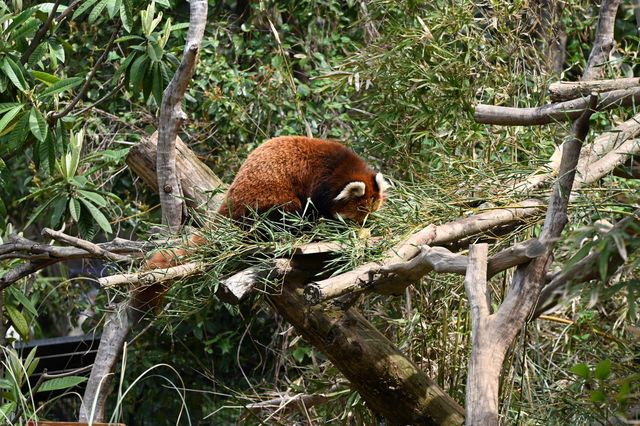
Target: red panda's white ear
[(383, 185), (351, 190)]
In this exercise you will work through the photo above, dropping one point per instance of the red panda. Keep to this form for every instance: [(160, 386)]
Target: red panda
[(287, 172)]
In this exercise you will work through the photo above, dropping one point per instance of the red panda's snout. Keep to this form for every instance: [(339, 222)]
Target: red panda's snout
[(359, 198)]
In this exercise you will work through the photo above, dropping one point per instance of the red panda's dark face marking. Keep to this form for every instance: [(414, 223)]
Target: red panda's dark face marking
[(359, 198)]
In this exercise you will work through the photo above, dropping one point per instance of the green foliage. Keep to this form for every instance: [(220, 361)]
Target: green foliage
[(17, 396), (401, 96)]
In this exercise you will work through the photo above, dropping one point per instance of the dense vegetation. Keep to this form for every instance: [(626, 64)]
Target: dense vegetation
[(397, 82)]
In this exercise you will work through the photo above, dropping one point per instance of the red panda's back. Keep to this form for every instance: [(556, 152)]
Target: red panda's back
[(285, 171)]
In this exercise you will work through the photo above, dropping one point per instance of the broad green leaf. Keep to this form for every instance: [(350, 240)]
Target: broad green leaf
[(154, 51), (93, 197), (157, 83), (37, 125), (7, 409), (8, 116), (45, 77), (100, 218), (38, 212), (83, 8), (6, 106), (25, 31), (603, 369), (18, 20), (113, 6), (24, 300), (137, 72), (17, 133), (38, 54), (581, 370), (62, 85), (31, 362), (60, 383), (128, 38), (59, 206), (48, 7), (57, 51), (97, 11), (12, 70), (74, 209), (18, 320), (125, 15)]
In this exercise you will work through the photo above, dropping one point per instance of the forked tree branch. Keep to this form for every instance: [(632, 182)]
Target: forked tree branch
[(85, 87)]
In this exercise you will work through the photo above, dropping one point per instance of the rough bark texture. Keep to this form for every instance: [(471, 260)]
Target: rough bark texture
[(391, 384), (171, 118), (604, 42), (567, 90), (486, 360), (114, 334), (201, 187)]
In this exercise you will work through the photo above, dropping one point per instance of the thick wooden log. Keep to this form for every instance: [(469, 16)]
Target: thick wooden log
[(201, 187), (392, 385)]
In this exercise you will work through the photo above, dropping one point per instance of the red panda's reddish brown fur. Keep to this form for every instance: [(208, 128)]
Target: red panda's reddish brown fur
[(287, 172)]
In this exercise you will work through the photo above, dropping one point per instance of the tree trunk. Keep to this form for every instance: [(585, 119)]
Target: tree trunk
[(391, 384), (201, 187)]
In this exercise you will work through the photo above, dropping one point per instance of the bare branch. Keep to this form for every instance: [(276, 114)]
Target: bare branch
[(590, 154), (365, 276), (604, 41), (37, 38), (567, 90), (85, 245), (152, 276), (563, 111), (475, 283), (42, 255), (171, 118)]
